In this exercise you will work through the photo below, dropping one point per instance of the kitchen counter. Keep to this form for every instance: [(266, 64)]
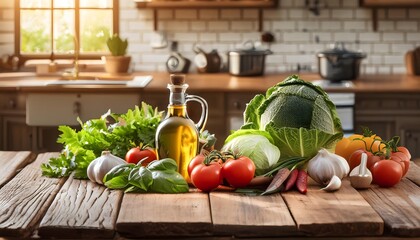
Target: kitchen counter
[(29, 82), (33, 206)]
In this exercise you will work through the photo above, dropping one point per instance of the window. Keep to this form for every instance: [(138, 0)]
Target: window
[(55, 28)]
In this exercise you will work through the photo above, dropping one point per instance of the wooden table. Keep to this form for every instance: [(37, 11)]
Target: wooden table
[(34, 206)]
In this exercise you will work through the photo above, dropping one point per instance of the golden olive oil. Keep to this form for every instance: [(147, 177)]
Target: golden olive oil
[(177, 136)]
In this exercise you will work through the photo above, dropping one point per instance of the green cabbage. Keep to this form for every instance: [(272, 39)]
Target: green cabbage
[(257, 145), (299, 117)]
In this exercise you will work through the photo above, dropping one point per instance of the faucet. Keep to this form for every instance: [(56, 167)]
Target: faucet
[(74, 72), (76, 58)]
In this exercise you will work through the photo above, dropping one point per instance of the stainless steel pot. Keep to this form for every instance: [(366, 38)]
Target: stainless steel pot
[(339, 64), (249, 62)]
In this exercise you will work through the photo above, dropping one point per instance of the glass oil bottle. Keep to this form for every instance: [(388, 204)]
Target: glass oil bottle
[(177, 136)]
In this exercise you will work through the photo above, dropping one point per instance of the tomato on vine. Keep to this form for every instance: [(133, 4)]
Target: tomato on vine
[(206, 171), (238, 171)]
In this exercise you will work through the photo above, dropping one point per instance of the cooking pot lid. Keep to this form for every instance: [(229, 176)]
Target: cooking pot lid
[(341, 51), (248, 48)]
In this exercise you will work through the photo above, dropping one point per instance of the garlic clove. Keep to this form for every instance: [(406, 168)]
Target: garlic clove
[(333, 185), (360, 176)]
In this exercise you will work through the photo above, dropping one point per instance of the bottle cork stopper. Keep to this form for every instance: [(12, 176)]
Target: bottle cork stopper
[(177, 79)]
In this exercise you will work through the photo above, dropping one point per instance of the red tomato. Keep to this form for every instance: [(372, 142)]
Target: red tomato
[(206, 177), (402, 159), (239, 172), (405, 151), (197, 160), (355, 159), (387, 173), (136, 154)]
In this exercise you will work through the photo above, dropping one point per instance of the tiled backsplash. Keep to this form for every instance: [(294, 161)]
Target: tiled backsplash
[(298, 32)]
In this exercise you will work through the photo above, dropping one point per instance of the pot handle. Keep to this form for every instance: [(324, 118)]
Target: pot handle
[(197, 49)]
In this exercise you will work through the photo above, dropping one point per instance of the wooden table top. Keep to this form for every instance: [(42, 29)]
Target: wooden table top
[(216, 82), (33, 206)]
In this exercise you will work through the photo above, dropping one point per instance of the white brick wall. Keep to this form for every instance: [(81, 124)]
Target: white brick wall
[(294, 27), (299, 33)]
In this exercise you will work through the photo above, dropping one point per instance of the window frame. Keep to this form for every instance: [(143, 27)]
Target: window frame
[(53, 56)]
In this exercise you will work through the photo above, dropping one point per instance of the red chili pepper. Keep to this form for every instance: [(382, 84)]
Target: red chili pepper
[(291, 181), (302, 181)]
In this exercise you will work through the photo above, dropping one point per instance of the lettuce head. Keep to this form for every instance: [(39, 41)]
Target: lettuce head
[(299, 116)]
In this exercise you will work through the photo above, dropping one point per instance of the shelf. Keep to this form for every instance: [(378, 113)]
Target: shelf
[(197, 4), (206, 3), (375, 4), (389, 3)]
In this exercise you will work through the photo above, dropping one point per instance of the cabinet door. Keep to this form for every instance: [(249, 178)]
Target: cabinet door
[(235, 107), (63, 109), (408, 129), (16, 135)]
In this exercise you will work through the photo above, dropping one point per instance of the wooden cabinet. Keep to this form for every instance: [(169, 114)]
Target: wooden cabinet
[(15, 134), (235, 107), (390, 115), (53, 109)]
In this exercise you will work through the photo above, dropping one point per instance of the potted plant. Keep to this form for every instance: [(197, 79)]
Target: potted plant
[(117, 62)]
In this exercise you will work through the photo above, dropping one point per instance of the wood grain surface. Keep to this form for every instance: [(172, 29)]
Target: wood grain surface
[(160, 215), (413, 173), (26, 198), (399, 207), (12, 162), (250, 216), (341, 213), (82, 209)]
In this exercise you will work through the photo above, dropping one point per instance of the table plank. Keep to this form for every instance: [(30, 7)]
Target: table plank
[(414, 173), (341, 213), (12, 162), (250, 216), (82, 209), (160, 215), (26, 198), (399, 206)]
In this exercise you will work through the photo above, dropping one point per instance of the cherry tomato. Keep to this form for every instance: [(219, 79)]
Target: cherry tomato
[(136, 154), (356, 158), (238, 172), (206, 177), (197, 160), (387, 173)]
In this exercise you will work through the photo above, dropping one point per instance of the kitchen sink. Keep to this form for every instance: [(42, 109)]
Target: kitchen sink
[(137, 81)]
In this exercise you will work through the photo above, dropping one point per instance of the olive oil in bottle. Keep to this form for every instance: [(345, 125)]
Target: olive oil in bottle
[(177, 136)]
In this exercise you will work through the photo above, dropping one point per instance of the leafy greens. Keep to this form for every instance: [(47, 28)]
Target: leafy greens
[(298, 116), (117, 133), (160, 176)]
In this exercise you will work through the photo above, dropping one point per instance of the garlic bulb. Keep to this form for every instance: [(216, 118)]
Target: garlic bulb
[(101, 166), (325, 165)]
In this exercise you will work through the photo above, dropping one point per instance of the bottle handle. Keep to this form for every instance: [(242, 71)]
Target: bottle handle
[(204, 111)]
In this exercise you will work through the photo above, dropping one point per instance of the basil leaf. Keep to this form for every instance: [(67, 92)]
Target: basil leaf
[(118, 182), (134, 189), (119, 170), (140, 178), (166, 164), (168, 182)]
